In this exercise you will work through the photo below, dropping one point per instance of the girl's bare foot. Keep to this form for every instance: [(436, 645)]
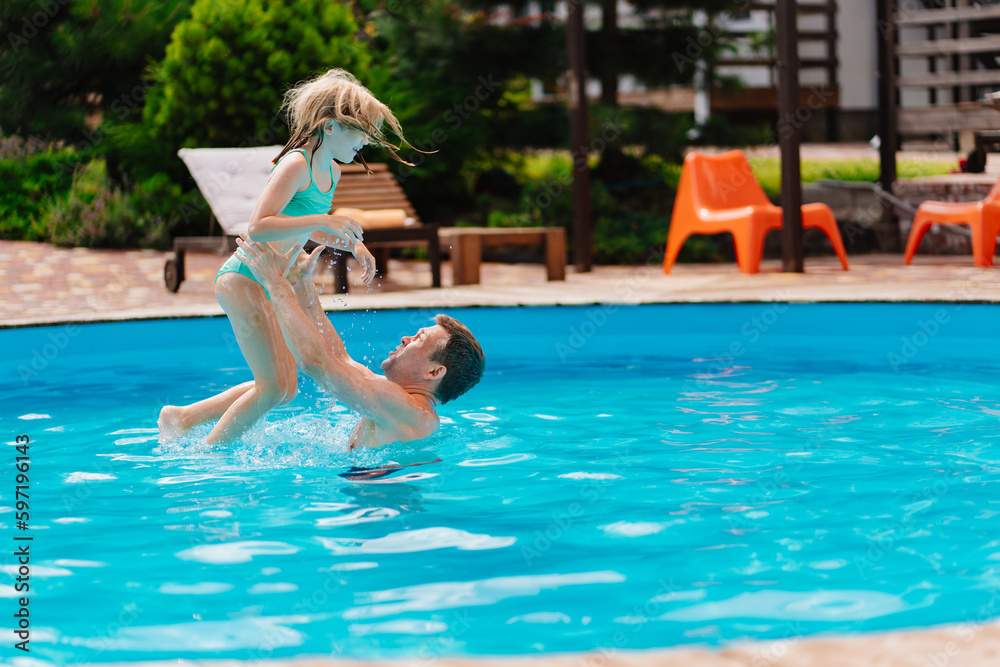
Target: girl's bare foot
[(170, 424)]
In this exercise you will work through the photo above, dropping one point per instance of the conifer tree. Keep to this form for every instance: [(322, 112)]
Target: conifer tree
[(64, 62)]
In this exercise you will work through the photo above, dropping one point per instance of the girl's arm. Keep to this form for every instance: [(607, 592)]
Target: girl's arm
[(322, 238), (267, 223), (358, 249)]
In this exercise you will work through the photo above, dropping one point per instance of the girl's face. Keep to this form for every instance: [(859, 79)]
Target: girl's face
[(344, 142)]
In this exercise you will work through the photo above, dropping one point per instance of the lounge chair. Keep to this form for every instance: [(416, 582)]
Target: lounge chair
[(982, 217), (719, 193), (231, 180)]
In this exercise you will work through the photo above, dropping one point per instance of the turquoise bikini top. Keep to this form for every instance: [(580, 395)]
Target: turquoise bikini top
[(312, 200)]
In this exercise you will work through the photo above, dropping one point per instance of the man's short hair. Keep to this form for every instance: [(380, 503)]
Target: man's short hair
[(462, 356)]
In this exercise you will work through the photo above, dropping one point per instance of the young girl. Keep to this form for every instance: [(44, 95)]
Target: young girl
[(331, 118)]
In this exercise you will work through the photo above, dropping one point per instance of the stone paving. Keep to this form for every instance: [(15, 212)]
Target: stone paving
[(974, 644), (43, 284), (40, 284)]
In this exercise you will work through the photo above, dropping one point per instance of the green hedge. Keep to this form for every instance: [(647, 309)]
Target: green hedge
[(31, 182), (96, 214), (630, 220), (63, 196)]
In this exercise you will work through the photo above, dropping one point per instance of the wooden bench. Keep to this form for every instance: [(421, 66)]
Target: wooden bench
[(380, 190), (467, 243)]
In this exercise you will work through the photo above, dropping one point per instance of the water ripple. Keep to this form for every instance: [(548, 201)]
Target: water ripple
[(424, 539), (789, 606), (451, 594), (235, 552)]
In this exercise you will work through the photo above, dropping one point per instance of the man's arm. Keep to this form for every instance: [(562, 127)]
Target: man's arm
[(304, 289), (323, 357), (300, 277)]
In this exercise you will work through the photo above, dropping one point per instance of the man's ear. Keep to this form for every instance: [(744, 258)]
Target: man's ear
[(435, 373)]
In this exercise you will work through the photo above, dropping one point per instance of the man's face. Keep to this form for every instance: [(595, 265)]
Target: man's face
[(411, 359)]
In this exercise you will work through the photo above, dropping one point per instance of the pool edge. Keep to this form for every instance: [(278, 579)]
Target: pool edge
[(133, 316), (974, 643)]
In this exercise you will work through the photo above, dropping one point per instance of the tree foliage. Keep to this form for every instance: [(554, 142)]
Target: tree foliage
[(64, 60), (433, 57), (456, 83), (228, 65)]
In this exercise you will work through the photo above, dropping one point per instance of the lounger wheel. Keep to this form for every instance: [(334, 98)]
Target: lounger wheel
[(172, 275)]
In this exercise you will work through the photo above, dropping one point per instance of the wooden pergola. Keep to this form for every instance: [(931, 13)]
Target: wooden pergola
[(790, 141), (888, 131), (787, 65), (578, 136), (790, 136)]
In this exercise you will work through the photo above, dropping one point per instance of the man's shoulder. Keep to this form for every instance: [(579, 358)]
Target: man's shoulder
[(424, 421), (398, 427)]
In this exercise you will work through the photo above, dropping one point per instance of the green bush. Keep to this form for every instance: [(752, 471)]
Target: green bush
[(658, 132), (628, 228), (96, 214), (719, 131), (228, 65), (33, 175), (621, 236)]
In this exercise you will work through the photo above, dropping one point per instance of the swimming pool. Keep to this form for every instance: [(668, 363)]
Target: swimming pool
[(623, 478)]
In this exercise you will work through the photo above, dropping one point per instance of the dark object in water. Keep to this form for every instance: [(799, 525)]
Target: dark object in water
[(377, 472)]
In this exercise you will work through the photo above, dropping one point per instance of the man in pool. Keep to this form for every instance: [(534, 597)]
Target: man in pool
[(435, 365)]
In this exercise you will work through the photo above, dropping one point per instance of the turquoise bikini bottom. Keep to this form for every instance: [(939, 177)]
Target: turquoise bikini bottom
[(234, 265)]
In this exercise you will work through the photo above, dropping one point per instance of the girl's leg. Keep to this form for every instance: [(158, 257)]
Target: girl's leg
[(260, 339), (175, 420)]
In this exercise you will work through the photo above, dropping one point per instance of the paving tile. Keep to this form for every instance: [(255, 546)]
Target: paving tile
[(41, 283)]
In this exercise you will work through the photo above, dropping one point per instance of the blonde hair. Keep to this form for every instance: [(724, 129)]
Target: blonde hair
[(337, 95)]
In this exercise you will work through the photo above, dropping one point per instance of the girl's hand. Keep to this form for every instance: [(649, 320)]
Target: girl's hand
[(345, 228), (367, 261)]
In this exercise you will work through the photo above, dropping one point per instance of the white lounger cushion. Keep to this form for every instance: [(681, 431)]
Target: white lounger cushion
[(231, 180)]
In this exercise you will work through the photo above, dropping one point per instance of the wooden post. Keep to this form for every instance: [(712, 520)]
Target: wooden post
[(832, 111), (789, 136), (609, 33), (962, 62), (578, 136), (888, 232)]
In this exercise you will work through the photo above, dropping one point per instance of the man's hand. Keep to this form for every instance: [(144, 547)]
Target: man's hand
[(268, 265), (367, 261), (303, 267)]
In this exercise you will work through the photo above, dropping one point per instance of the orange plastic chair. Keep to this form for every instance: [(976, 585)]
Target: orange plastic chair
[(719, 193), (982, 217)]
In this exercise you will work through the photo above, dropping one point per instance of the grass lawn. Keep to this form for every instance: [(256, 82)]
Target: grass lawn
[(768, 170), (549, 166)]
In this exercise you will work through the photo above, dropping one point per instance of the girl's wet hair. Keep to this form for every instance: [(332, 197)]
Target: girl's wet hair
[(340, 97)]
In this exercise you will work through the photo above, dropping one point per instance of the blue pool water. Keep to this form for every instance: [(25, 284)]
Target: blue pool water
[(623, 478)]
